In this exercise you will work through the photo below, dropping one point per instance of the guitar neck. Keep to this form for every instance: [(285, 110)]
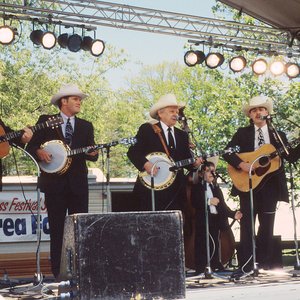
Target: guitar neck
[(15, 134)]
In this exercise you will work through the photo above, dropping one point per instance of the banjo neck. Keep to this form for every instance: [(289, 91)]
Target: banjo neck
[(124, 141)]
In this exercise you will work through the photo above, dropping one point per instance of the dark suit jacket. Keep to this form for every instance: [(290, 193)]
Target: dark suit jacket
[(76, 175), (147, 142), (244, 138), (198, 202)]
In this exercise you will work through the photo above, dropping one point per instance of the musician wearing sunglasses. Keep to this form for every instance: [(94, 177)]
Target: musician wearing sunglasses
[(207, 197), (160, 144), (64, 181), (259, 147)]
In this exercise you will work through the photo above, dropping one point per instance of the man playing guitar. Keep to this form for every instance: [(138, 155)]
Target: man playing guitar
[(272, 189)]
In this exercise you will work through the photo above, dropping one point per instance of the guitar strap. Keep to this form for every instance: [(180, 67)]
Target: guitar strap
[(157, 130)]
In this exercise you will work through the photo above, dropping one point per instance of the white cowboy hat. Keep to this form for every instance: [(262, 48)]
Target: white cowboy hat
[(67, 90), (258, 101), (164, 101)]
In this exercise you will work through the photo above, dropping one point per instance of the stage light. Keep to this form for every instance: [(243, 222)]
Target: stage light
[(292, 70), (7, 35), (237, 63), (97, 48), (86, 43), (62, 40), (277, 67), (214, 60), (48, 40), (259, 66), (74, 42), (191, 58)]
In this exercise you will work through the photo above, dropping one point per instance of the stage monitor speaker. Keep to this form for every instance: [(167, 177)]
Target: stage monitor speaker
[(136, 255)]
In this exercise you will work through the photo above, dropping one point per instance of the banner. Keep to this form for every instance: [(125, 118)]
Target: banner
[(18, 217)]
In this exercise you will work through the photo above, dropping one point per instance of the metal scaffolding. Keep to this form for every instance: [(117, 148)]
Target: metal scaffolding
[(91, 14)]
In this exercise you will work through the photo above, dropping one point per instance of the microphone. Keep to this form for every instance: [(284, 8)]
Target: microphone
[(180, 118), (173, 169), (268, 117)]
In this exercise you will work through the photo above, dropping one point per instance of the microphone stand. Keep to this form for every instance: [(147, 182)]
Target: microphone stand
[(278, 138), (297, 265), (38, 278), (108, 190), (255, 268)]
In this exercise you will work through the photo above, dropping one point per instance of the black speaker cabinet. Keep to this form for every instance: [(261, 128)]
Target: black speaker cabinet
[(121, 255)]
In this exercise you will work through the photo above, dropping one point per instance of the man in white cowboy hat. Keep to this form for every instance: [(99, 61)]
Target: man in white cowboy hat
[(218, 214), (271, 189), (165, 138), (68, 192)]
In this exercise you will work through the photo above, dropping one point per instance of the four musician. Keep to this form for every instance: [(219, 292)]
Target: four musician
[(68, 192)]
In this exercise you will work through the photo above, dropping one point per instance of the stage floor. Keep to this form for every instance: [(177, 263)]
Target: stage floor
[(267, 285)]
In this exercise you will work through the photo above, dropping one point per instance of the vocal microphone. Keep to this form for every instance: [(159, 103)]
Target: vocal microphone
[(268, 117), (180, 118)]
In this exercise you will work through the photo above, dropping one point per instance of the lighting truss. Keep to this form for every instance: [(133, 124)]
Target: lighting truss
[(220, 33)]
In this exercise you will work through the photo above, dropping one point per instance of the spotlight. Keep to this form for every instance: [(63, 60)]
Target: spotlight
[(237, 64), (259, 66), (74, 42), (97, 48), (277, 67), (7, 35), (292, 70), (214, 60), (36, 36), (48, 40), (63, 40), (191, 58), (86, 43)]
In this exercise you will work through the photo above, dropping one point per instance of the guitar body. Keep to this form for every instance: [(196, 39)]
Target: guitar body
[(240, 178), (4, 146)]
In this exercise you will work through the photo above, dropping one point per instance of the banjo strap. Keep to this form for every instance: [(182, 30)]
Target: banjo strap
[(157, 130)]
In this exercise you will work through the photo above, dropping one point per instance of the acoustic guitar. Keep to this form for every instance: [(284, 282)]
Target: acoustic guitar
[(6, 137), (263, 168)]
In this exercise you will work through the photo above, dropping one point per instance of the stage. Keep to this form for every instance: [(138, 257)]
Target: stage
[(268, 285)]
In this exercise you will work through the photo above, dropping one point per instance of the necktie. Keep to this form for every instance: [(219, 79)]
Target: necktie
[(68, 132), (261, 139), (171, 140)]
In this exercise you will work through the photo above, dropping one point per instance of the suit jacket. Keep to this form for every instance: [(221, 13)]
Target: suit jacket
[(198, 202), (147, 142), (244, 138), (76, 175)]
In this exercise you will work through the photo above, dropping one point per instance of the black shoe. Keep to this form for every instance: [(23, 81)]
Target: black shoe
[(237, 274)]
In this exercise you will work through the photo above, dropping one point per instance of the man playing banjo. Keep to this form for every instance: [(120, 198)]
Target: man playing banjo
[(65, 192), (158, 146)]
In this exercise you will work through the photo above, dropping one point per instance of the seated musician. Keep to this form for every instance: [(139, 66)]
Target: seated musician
[(20, 141), (167, 139), (218, 213), (266, 195)]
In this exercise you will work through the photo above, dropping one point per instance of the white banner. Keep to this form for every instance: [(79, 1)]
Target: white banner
[(18, 217)]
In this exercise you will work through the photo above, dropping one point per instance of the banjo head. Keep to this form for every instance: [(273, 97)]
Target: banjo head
[(59, 153), (164, 177)]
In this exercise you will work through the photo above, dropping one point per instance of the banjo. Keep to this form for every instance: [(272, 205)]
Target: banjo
[(168, 168), (61, 154)]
